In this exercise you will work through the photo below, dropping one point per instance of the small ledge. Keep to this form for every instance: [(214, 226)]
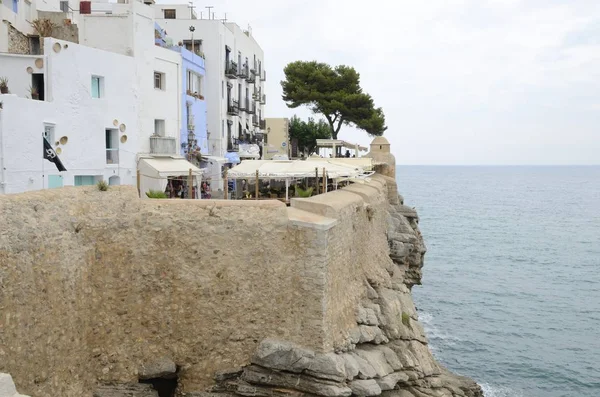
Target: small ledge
[(310, 220)]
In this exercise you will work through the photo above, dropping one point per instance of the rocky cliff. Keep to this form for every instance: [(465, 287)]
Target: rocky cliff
[(387, 352), (107, 295)]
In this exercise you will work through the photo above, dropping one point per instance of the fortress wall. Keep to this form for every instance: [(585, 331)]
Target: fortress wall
[(94, 285)]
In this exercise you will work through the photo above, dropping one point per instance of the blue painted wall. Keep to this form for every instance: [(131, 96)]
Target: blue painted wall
[(195, 63)]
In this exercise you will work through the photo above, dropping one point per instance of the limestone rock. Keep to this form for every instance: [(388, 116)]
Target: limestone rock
[(160, 368), (327, 366), (285, 356), (7, 386), (373, 334), (351, 366), (390, 381), (365, 370), (376, 359), (125, 390), (365, 387), (254, 374)]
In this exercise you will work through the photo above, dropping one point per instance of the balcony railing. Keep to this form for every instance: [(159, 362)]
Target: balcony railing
[(251, 78), (255, 121), (163, 145), (262, 124), (112, 156), (263, 75), (233, 108), (263, 100), (231, 70), (243, 72), (233, 146)]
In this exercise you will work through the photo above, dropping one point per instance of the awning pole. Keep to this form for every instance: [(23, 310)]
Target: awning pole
[(189, 184), (317, 179), (138, 183), (256, 190), (324, 182), (226, 188), (287, 185)]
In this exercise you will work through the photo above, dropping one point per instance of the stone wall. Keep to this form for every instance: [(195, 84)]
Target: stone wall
[(95, 287), (18, 43)]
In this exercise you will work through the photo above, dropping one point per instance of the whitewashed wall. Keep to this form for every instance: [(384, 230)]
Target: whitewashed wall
[(75, 115), (14, 68)]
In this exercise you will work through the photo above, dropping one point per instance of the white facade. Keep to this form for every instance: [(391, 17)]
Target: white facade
[(221, 42), (129, 30), (86, 119)]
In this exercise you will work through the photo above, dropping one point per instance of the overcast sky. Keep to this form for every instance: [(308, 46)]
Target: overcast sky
[(460, 81)]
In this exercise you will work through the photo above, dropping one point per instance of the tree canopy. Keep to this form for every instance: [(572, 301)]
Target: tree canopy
[(307, 133), (333, 92)]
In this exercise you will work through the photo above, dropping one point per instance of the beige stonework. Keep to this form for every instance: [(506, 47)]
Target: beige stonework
[(96, 286)]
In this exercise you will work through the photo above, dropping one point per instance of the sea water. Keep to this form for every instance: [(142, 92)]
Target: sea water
[(511, 286)]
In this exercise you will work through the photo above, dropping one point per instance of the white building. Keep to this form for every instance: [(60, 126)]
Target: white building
[(234, 88), (87, 110), (130, 92)]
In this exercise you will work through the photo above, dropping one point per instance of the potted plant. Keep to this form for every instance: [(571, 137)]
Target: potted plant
[(3, 85), (34, 93)]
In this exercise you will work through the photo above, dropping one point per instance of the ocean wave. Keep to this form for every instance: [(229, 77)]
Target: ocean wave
[(499, 391)]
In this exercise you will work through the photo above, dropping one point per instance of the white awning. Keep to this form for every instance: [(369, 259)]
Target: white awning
[(216, 159), (291, 169), (164, 167), (365, 163), (330, 143)]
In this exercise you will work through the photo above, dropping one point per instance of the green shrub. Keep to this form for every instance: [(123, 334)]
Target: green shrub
[(156, 194), (405, 319), (304, 193), (102, 186)]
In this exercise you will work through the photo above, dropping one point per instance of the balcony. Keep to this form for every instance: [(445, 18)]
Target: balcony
[(263, 100), (233, 108), (263, 75), (255, 121), (163, 145), (251, 78), (231, 70), (112, 156), (243, 73), (262, 124), (233, 146)]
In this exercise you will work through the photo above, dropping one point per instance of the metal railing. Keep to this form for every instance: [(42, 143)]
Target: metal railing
[(233, 108)]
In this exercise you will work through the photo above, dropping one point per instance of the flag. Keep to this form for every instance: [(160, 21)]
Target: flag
[(51, 156)]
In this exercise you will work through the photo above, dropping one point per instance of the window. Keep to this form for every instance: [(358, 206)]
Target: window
[(49, 133), (97, 87), (34, 45), (84, 180), (159, 80), (159, 127), (112, 146), (170, 14), (194, 83)]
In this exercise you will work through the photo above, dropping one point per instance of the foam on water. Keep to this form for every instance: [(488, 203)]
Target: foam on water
[(511, 288)]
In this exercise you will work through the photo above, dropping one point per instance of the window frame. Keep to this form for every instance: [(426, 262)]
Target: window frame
[(100, 88), (168, 11), (160, 77)]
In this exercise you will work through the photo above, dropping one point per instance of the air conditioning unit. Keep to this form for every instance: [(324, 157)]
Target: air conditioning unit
[(64, 6)]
